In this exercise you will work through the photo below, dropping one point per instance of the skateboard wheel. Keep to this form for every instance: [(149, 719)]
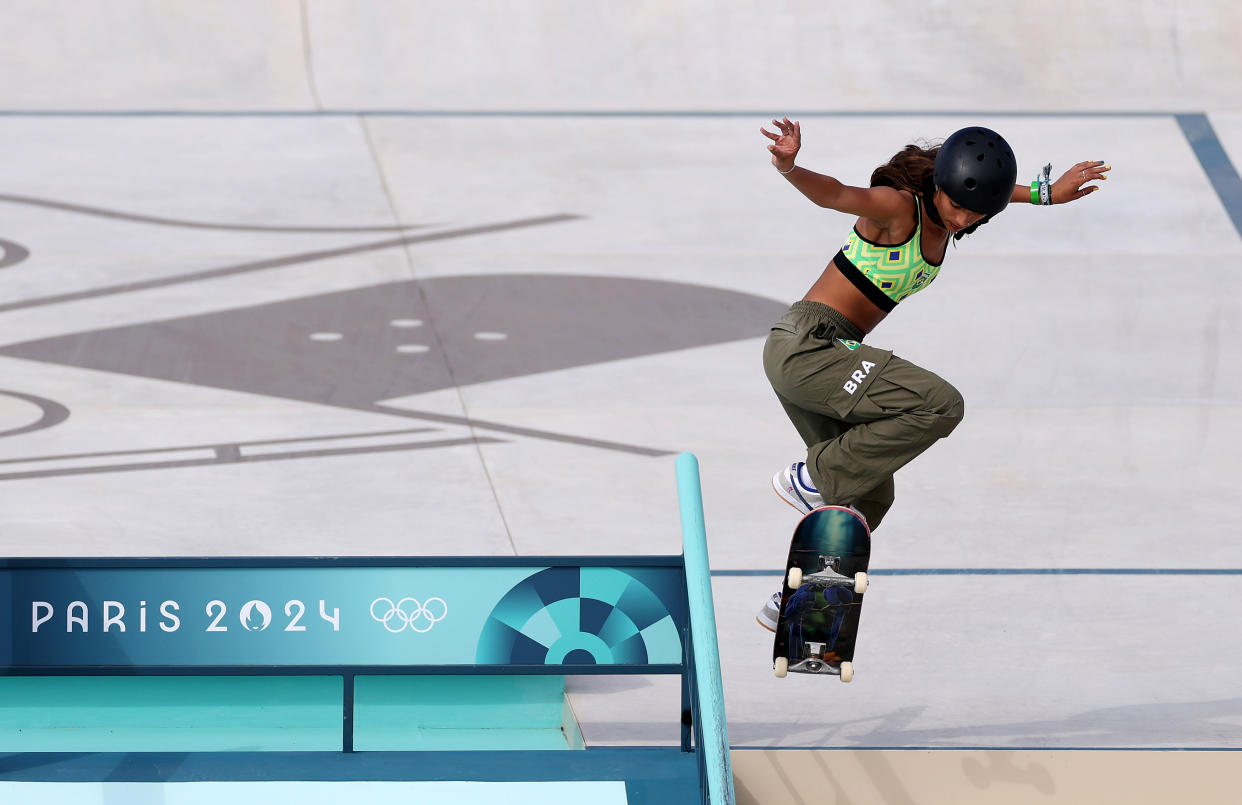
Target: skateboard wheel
[(795, 578), (781, 667), (860, 583), (847, 671)]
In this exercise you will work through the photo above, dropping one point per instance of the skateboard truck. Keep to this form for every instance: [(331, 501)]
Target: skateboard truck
[(814, 663), (827, 577)]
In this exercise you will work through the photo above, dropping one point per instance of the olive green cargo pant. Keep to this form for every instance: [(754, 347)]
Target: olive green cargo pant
[(863, 412)]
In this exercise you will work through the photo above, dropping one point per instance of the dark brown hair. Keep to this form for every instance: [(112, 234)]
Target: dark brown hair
[(911, 169)]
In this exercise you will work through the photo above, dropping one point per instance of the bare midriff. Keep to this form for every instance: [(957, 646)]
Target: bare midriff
[(834, 290)]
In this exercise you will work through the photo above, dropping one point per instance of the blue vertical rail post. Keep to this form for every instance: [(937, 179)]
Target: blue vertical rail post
[(714, 743)]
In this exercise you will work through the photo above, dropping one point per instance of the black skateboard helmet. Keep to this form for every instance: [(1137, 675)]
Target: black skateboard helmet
[(977, 169)]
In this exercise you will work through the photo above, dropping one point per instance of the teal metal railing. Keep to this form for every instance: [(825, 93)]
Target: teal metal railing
[(712, 736)]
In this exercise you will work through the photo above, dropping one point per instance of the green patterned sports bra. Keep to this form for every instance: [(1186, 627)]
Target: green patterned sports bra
[(887, 274)]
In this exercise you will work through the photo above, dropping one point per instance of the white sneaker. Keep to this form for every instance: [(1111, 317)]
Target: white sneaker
[(788, 484), (770, 613)]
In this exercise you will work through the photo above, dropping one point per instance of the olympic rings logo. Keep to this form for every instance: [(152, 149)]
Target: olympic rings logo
[(418, 616)]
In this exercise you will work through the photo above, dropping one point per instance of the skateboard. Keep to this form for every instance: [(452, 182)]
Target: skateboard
[(825, 578)]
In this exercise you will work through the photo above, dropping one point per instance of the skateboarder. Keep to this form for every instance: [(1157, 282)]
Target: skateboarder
[(862, 411)]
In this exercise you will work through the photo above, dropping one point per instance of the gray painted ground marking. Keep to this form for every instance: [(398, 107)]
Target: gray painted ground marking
[(551, 322), (266, 349), (228, 453), (231, 454), (51, 413), (1216, 164), (12, 253), (117, 215), (533, 433), (281, 262), (226, 446)]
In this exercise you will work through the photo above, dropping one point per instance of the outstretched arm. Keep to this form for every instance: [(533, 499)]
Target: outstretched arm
[(879, 203), (1070, 187)]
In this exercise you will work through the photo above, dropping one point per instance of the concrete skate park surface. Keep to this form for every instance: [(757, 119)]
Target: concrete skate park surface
[(316, 279)]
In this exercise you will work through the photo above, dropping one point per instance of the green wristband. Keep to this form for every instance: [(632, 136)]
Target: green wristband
[(1035, 192)]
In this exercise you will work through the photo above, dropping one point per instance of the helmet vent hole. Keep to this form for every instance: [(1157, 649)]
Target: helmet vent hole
[(980, 158), (970, 184)]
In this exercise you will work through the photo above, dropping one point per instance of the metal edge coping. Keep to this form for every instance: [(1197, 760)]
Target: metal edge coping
[(296, 562), (292, 670), (709, 688)]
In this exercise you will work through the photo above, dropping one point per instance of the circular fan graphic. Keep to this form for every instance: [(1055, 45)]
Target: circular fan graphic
[(580, 616)]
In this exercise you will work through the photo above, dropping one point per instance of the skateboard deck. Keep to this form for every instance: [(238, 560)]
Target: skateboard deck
[(821, 598)]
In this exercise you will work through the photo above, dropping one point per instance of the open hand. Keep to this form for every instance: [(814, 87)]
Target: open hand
[(785, 145), (1073, 183)]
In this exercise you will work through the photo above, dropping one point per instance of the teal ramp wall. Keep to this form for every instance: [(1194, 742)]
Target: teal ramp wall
[(316, 793), (225, 713), (173, 714)]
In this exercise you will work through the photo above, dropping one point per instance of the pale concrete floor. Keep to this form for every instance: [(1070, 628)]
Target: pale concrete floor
[(1102, 388), (1096, 344)]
